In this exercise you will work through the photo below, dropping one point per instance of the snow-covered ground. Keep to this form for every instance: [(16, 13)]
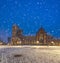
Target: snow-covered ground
[(29, 54)]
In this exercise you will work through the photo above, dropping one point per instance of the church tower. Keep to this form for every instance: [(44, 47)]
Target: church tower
[(17, 36), (14, 33), (41, 36)]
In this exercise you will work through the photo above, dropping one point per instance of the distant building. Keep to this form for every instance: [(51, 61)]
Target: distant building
[(2, 43), (29, 40), (41, 38), (16, 35)]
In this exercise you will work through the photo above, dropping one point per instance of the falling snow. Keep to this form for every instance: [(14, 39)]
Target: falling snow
[(29, 15)]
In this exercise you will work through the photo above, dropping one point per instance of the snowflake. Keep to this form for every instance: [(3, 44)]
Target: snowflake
[(58, 29), (35, 17), (46, 9), (6, 31), (26, 5), (53, 21), (8, 26), (18, 24), (4, 6), (16, 2), (52, 31), (40, 7), (38, 3), (19, 5), (4, 22), (56, 11), (12, 22), (29, 3), (25, 15)]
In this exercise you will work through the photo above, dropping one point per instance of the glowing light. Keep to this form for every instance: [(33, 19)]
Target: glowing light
[(37, 42)]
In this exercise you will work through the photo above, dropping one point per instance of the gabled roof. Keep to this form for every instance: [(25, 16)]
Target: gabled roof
[(14, 25), (41, 30)]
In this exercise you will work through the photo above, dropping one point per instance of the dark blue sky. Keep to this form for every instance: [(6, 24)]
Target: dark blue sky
[(29, 15)]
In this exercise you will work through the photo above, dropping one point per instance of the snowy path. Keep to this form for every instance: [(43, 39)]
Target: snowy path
[(28, 54)]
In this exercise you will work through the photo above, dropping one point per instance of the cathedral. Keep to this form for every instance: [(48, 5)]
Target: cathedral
[(41, 38)]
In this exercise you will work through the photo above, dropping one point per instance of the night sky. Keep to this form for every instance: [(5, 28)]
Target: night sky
[(29, 15)]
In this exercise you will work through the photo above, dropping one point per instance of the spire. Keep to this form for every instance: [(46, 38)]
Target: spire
[(42, 30), (14, 25)]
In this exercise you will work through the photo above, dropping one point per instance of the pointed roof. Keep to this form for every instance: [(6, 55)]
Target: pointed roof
[(14, 25), (41, 30)]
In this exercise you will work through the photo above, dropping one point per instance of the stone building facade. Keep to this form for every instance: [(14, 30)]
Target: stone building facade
[(41, 38), (2, 43)]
